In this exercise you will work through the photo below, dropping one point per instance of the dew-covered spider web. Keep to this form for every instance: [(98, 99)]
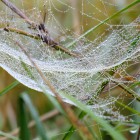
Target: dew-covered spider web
[(106, 57)]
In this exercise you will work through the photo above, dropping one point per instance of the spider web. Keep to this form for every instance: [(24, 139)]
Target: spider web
[(115, 50)]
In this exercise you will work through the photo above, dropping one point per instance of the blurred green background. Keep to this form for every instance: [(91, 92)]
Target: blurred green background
[(77, 22)]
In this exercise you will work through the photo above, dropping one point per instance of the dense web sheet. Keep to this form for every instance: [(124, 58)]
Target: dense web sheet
[(82, 77)]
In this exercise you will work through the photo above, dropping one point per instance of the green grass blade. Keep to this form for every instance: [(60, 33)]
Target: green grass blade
[(104, 21), (8, 88), (72, 129), (135, 84), (93, 132), (128, 108), (130, 91), (23, 123), (40, 129), (114, 133)]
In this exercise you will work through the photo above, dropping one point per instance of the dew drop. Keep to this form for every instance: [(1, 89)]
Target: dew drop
[(134, 129)]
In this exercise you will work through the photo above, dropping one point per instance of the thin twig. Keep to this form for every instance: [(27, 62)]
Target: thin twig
[(18, 12), (43, 32), (70, 114), (21, 32), (43, 118)]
